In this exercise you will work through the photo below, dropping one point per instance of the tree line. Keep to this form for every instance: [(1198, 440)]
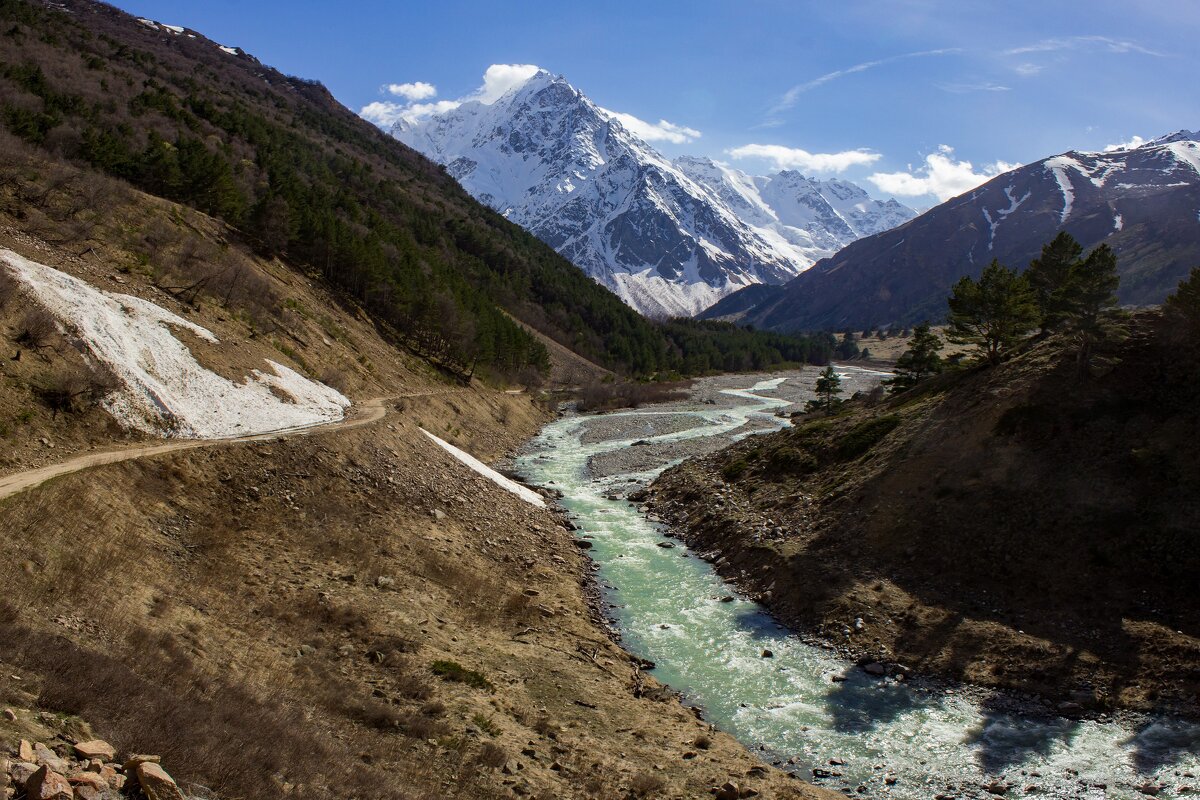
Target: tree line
[(1062, 291)]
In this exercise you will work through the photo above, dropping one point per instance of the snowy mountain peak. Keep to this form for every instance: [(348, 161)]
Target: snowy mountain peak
[(670, 238)]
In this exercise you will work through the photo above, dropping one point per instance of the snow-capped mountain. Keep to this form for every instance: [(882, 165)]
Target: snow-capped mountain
[(1142, 201), (670, 238)]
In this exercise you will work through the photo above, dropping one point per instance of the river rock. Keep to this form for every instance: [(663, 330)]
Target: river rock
[(875, 668), (583, 544), (767, 654)]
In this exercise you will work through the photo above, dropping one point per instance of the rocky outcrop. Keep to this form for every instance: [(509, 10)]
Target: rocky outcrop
[(64, 770)]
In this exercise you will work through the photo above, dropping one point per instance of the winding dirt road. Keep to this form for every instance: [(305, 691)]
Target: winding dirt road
[(365, 413)]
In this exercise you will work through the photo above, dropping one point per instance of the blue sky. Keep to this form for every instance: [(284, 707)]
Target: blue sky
[(912, 98)]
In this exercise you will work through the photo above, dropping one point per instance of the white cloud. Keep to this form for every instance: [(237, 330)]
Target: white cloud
[(499, 78), (661, 131), (1134, 141), (385, 114), (418, 90), (1028, 70), (941, 176), (795, 158)]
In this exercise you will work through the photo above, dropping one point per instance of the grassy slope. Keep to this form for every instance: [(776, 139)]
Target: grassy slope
[(1017, 526)]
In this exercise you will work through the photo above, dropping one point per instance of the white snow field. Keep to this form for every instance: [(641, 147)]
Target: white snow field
[(163, 389), (526, 494)]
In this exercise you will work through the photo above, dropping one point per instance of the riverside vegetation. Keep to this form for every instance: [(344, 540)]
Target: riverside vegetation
[(1027, 520)]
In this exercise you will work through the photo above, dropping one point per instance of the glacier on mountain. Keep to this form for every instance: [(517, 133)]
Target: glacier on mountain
[(669, 237)]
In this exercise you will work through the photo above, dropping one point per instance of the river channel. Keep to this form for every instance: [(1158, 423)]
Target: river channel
[(866, 736)]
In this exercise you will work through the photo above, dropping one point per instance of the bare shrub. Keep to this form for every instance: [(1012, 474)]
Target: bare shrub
[(646, 785), (335, 378), (76, 389), (491, 755), (606, 396), (38, 330)]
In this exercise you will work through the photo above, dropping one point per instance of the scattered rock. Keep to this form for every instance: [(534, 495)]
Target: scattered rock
[(875, 668), (156, 783), (97, 748), (384, 582), (46, 784), (22, 771), (10, 715), (25, 751), (47, 757), (728, 791)]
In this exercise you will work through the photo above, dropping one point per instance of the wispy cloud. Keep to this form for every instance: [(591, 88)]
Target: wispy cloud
[(940, 176), (661, 131), (790, 97), (1027, 69), (1103, 43), (967, 88), (795, 158)]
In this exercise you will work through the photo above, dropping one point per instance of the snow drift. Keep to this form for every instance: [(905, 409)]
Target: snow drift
[(163, 389)]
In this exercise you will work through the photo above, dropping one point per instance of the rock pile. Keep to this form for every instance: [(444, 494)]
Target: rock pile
[(82, 771)]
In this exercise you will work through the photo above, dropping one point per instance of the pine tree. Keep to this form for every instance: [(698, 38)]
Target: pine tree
[(1184, 304), (919, 361), (994, 313), (1090, 313), (829, 385), (1050, 277)]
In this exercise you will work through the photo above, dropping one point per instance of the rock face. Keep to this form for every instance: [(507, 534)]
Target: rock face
[(1141, 201), (670, 238)]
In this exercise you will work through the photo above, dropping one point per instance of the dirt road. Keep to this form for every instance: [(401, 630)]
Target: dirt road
[(363, 414)]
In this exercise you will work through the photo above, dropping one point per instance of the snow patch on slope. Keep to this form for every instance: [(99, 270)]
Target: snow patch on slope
[(523, 492), (164, 390), (1058, 166)]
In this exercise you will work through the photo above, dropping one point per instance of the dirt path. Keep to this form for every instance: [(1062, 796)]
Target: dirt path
[(364, 414)]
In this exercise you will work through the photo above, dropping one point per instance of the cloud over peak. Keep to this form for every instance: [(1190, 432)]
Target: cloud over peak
[(661, 131)]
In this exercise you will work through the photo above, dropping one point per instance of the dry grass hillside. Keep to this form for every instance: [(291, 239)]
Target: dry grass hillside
[(1021, 526), (344, 614)]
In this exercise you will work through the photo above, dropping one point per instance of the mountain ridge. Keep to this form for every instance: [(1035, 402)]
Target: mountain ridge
[(669, 237), (1143, 201)]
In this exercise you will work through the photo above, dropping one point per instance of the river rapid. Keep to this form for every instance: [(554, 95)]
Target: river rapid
[(866, 736)]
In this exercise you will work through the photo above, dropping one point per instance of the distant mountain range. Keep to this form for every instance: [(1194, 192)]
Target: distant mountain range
[(1142, 201), (670, 238)]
